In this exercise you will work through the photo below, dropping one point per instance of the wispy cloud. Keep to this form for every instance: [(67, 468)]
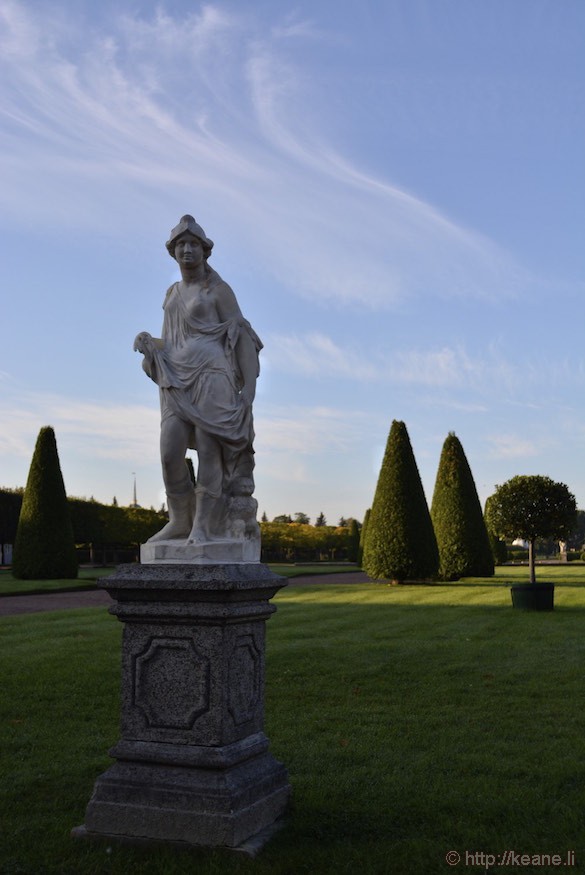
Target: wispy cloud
[(453, 404), (113, 431), (95, 431), (303, 430), (154, 105), (512, 447), (317, 354), (294, 27), (294, 445)]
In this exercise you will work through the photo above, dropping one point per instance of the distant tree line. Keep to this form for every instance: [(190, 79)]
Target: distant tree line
[(110, 533), (103, 533), (305, 520), (285, 540), (10, 505)]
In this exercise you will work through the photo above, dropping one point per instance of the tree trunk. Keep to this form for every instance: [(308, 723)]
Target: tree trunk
[(531, 561)]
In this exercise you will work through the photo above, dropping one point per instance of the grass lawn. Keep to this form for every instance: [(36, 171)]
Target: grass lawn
[(567, 574), (414, 721)]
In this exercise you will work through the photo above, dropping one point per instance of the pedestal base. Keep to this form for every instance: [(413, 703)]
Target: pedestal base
[(193, 765), (198, 806), (237, 551), (251, 847)]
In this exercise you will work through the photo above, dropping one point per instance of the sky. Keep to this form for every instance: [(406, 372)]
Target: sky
[(396, 191)]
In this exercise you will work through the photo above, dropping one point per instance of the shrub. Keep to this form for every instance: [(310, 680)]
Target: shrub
[(499, 549), (400, 542), (462, 538), (44, 548), (517, 554), (353, 546)]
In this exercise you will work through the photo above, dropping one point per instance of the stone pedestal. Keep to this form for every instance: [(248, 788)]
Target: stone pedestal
[(192, 765), (230, 550)]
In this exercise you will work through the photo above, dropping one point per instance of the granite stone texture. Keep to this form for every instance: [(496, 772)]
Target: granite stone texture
[(193, 764)]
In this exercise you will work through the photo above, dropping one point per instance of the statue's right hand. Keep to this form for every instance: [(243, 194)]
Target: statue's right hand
[(143, 343)]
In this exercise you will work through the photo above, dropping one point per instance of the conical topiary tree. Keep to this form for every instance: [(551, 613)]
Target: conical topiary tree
[(400, 543), (44, 548), (462, 538)]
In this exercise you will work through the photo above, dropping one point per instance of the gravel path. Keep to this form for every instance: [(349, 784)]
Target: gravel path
[(57, 601), (62, 601), (344, 577)]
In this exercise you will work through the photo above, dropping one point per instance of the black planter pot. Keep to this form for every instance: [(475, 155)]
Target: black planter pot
[(533, 596)]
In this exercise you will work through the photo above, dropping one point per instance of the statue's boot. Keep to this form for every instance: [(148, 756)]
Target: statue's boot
[(208, 517), (181, 514)]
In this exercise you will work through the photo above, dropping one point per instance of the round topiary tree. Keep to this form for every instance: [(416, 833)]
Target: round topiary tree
[(462, 538), (400, 542), (532, 507), (44, 548)]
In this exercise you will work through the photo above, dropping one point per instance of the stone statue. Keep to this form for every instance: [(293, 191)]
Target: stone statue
[(205, 365)]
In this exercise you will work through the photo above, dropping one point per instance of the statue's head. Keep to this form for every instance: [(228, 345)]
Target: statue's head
[(188, 225)]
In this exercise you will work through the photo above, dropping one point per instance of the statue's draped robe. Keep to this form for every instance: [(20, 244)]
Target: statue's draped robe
[(198, 374)]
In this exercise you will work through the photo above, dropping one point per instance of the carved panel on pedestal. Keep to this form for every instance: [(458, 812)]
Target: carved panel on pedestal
[(171, 683), (245, 665)]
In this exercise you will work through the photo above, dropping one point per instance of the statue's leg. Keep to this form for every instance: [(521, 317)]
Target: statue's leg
[(174, 440), (209, 510), (174, 436)]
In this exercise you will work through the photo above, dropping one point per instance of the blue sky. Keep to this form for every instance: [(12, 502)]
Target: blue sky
[(396, 191)]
